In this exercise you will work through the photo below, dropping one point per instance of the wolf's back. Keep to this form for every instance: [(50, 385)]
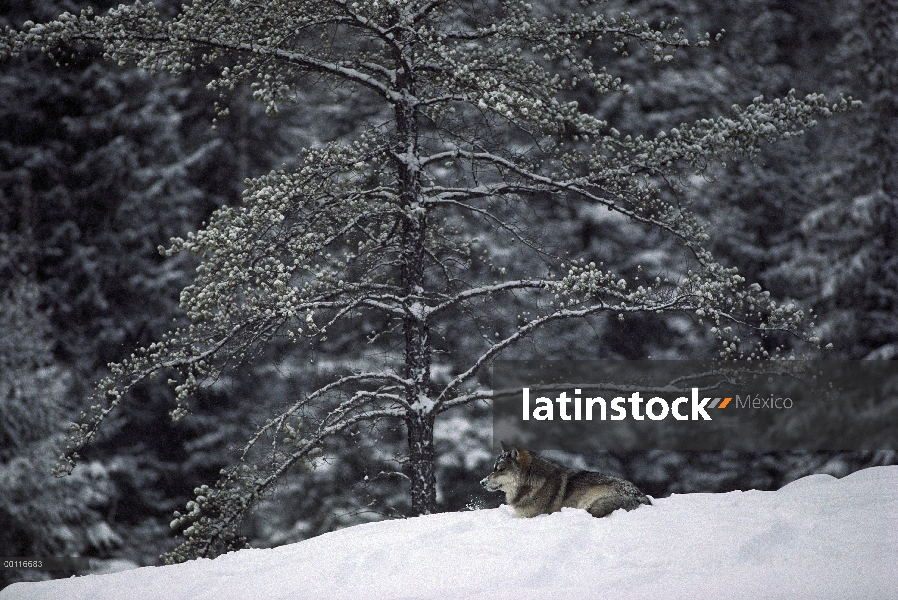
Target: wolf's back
[(604, 493)]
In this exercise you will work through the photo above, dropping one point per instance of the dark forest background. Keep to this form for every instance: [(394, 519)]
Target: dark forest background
[(101, 164)]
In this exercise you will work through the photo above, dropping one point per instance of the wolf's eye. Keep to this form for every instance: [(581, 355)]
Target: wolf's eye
[(500, 469)]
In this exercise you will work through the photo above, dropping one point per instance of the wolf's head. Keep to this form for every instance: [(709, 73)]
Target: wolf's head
[(508, 472)]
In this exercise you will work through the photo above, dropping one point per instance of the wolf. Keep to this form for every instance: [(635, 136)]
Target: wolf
[(534, 486)]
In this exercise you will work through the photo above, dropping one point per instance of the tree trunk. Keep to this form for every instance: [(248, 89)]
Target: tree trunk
[(419, 418), (421, 462)]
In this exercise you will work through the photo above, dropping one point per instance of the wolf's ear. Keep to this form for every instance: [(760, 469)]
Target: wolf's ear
[(512, 451)]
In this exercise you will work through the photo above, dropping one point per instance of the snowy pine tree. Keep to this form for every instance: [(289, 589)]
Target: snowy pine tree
[(423, 229), (98, 166)]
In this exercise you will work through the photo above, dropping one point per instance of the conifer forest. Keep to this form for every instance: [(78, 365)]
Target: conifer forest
[(258, 256)]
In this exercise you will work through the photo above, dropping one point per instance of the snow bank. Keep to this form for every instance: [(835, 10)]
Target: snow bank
[(819, 537)]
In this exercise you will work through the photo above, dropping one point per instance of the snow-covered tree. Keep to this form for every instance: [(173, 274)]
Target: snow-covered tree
[(848, 266), (807, 219), (429, 226), (99, 165), (41, 516), (811, 220)]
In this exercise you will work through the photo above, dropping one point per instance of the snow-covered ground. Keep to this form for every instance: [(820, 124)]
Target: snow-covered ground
[(818, 538)]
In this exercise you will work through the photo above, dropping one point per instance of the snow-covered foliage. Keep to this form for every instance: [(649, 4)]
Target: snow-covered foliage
[(41, 516), (473, 130), (812, 220), (98, 166)]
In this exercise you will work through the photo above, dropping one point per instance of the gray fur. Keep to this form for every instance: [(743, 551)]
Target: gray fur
[(534, 486)]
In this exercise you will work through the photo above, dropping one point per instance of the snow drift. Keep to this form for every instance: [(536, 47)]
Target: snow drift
[(819, 537)]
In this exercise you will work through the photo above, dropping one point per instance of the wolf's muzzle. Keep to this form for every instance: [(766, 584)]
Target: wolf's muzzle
[(485, 482)]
